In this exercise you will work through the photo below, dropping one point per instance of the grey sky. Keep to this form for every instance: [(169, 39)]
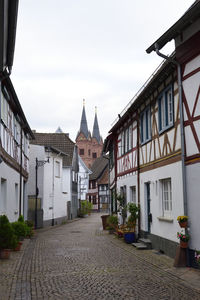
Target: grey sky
[(67, 50)]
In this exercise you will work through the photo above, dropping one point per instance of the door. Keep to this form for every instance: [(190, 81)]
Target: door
[(148, 200)]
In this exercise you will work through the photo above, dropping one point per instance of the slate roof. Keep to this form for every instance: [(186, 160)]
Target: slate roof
[(83, 125), (96, 133), (98, 167), (59, 141)]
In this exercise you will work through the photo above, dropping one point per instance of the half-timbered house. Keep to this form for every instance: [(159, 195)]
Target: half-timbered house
[(14, 129), (154, 144), (98, 192), (186, 34)]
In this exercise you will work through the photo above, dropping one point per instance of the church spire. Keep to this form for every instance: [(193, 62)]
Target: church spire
[(95, 132), (83, 126)]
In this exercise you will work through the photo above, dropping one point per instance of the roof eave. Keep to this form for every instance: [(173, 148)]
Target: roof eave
[(8, 25), (188, 18)]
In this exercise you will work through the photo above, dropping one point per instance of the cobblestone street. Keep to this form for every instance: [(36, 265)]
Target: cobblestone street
[(80, 261)]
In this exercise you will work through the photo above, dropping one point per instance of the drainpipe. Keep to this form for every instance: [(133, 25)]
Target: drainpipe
[(138, 175), (20, 175), (181, 125)]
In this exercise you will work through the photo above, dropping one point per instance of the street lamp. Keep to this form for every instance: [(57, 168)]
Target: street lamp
[(38, 163)]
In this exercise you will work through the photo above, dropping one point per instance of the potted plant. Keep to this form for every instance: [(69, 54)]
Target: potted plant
[(184, 238), (29, 228), (112, 222), (197, 256), (8, 240), (89, 206), (20, 228), (182, 220), (122, 207), (129, 232), (83, 212)]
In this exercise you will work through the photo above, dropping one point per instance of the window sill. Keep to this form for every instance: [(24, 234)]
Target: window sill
[(165, 219), (166, 128), (146, 141)]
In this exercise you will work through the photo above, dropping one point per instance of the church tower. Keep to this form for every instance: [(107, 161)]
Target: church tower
[(90, 147)]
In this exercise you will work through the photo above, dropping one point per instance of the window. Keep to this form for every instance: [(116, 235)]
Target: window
[(165, 109), (126, 140), (81, 151), (166, 197), (130, 138), (133, 194), (122, 143), (3, 194), (89, 152), (94, 200), (16, 196), (145, 125), (103, 199), (93, 184), (57, 169), (94, 155)]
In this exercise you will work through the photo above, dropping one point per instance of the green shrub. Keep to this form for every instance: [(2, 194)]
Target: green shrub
[(20, 229), (8, 239), (21, 219), (112, 221)]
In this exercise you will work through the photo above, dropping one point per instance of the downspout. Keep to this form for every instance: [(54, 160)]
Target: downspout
[(181, 124), (53, 191), (138, 175), (20, 175)]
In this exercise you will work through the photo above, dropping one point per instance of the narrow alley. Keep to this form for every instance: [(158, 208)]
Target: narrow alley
[(79, 260)]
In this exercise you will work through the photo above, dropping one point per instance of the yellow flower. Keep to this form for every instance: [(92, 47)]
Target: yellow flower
[(182, 219)]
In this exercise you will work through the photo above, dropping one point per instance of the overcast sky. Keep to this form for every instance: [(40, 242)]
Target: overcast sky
[(70, 50)]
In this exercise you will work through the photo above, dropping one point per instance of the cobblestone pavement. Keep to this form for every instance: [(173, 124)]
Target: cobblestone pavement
[(80, 261)]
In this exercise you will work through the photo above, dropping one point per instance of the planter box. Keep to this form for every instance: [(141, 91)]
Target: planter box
[(129, 237), (5, 253)]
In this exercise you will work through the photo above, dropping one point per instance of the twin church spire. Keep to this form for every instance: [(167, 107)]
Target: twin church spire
[(84, 127)]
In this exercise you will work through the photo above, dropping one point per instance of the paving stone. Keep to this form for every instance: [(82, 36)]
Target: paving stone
[(80, 261)]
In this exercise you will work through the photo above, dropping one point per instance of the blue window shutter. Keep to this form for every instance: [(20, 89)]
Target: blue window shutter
[(141, 123), (147, 125), (166, 109), (160, 114)]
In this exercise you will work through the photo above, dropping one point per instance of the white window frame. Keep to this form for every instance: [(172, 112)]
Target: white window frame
[(166, 109), (57, 169), (133, 194), (166, 187)]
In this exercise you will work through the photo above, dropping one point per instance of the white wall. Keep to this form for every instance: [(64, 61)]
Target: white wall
[(164, 227), (83, 182), (54, 190), (128, 180), (54, 201), (10, 204), (193, 200)]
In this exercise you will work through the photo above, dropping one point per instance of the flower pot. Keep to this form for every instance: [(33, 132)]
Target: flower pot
[(4, 253), (18, 248), (183, 244), (129, 237), (104, 221), (183, 224)]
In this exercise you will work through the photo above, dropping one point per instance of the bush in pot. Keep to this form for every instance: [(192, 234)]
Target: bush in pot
[(112, 221), (20, 228), (8, 239)]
